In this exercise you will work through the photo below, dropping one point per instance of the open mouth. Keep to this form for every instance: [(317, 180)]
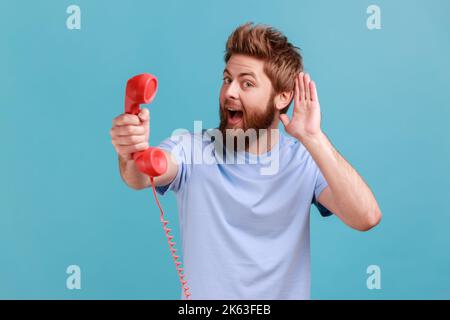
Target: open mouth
[(234, 116)]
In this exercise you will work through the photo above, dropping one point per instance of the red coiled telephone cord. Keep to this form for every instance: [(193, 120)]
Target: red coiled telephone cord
[(167, 230)]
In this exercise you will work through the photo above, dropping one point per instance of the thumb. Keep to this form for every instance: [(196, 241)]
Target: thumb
[(285, 119), (144, 115)]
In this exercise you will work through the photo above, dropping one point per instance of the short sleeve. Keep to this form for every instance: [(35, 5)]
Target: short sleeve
[(320, 185), (177, 146)]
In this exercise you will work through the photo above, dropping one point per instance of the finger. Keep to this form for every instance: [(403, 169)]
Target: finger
[(126, 119), (127, 130), (302, 86), (313, 90), (296, 92), (306, 84), (131, 149), (284, 119), (144, 115), (129, 140), (297, 105)]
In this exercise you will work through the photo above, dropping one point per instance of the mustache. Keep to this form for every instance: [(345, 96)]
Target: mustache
[(228, 103)]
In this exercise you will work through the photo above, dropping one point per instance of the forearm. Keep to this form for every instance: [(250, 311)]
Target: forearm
[(352, 196), (132, 176)]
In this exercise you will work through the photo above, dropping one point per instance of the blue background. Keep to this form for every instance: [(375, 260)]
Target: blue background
[(385, 103)]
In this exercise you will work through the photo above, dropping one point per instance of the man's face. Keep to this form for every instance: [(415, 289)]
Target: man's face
[(246, 97)]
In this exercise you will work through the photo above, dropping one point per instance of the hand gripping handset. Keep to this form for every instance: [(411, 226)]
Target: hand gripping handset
[(152, 161)]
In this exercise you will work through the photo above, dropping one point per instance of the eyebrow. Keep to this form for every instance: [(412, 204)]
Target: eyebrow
[(250, 73)]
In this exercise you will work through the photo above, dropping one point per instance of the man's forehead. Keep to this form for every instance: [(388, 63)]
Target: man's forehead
[(239, 64)]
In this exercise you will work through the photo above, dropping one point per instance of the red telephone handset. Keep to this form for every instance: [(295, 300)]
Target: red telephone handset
[(152, 161), (142, 89)]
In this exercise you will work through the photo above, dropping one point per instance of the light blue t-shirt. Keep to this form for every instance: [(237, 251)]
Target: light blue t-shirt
[(244, 234)]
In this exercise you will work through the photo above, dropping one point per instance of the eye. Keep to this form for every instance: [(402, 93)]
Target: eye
[(226, 80), (247, 84)]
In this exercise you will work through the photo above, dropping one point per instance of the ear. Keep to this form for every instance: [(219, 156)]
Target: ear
[(282, 100)]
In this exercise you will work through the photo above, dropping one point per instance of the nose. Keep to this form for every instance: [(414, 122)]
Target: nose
[(232, 91)]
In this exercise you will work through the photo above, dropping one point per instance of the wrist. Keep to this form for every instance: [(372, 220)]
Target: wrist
[(123, 159), (313, 139)]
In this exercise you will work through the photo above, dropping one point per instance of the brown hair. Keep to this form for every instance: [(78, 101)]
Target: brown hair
[(283, 61)]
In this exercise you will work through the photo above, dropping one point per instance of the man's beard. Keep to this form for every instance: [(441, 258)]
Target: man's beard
[(255, 121)]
